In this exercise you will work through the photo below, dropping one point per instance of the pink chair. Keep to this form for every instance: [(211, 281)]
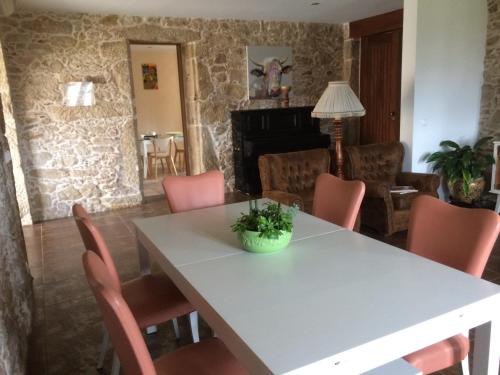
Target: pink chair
[(209, 357), (337, 201), (461, 238), (153, 299), (185, 193)]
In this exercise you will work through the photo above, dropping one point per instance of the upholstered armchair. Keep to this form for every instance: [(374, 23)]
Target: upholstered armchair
[(379, 167), (289, 178)]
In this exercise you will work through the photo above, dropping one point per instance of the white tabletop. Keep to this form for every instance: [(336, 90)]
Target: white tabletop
[(200, 235), (326, 295), (334, 301)]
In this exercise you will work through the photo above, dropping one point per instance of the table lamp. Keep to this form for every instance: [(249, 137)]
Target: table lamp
[(337, 102)]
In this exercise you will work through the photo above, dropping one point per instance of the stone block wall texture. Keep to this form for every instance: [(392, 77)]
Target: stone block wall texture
[(11, 134), (490, 102), (89, 154), (351, 73), (15, 280)]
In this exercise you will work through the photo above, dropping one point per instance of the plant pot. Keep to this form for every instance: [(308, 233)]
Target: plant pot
[(476, 188), (251, 242)]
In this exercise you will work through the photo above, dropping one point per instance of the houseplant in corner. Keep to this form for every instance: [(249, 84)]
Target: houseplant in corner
[(265, 230), (463, 167)]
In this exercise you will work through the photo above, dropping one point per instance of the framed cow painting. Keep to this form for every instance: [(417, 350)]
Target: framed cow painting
[(269, 69)]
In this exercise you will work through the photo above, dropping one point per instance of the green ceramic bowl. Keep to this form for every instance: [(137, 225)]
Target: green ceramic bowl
[(252, 242)]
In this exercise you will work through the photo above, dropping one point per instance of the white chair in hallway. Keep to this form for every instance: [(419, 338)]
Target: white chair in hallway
[(163, 148), (145, 147), (180, 156)]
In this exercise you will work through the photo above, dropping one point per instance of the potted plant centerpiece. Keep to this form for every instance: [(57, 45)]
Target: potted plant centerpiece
[(463, 167), (265, 230)]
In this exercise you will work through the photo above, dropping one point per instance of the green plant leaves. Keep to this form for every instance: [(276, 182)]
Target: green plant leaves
[(450, 144), (269, 221), (466, 163)]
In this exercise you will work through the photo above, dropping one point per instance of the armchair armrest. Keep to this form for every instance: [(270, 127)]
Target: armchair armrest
[(284, 197), (423, 182), (378, 205), (377, 189)]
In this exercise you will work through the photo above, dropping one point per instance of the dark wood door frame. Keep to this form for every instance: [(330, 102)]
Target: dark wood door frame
[(376, 24), (181, 90), (380, 39)]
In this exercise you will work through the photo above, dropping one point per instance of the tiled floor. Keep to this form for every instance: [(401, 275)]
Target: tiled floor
[(152, 186), (67, 326)]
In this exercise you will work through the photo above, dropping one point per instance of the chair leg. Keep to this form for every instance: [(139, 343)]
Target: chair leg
[(115, 368), (172, 163), (176, 328), (193, 321), (104, 348), (465, 365)]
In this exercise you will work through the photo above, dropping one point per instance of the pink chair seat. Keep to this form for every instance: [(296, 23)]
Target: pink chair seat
[(458, 237), (154, 299), (441, 355), (208, 357)]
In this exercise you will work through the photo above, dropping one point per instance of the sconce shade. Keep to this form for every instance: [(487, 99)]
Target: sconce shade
[(338, 101)]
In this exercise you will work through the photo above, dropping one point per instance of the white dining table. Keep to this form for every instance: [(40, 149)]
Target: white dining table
[(333, 302)]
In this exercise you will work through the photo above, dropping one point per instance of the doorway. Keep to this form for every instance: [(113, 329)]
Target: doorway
[(160, 117), (380, 76)]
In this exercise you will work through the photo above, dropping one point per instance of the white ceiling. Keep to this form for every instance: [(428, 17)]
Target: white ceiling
[(328, 11)]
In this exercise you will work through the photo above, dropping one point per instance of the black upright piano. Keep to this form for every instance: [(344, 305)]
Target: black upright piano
[(270, 131)]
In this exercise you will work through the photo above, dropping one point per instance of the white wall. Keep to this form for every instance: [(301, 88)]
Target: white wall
[(442, 74), (157, 110)]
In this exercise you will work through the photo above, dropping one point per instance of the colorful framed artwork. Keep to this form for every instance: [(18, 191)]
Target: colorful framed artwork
[(269, 71), (150, 76)]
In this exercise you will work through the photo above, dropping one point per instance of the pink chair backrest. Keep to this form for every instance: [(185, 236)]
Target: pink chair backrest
[(185, 193), (121, 325), (93, 241), (79, 212), (458, 237), (336, 200)]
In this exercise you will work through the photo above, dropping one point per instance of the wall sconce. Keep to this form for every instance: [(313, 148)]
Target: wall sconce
[(79, 94)]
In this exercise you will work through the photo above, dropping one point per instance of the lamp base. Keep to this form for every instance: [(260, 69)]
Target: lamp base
[(339, 158)]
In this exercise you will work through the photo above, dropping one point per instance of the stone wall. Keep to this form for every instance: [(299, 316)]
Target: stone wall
[(89, 154), (11, 134), (15, 280), (352, 60), (490, 102)]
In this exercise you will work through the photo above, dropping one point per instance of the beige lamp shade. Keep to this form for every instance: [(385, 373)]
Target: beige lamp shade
[(338, 101)]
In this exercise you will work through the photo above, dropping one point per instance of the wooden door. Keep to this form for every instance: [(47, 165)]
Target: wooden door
[(380, 86)]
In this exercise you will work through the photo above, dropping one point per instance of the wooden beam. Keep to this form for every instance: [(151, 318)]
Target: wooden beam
[(376, 24)]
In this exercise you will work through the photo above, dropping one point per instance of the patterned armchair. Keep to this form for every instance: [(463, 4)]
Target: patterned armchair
[(379, 167), (289, 178)]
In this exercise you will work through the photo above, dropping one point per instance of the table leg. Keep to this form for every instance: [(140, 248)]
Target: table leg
[(150, 167), (144, 261), (145, 159), (486, 349), (145, 269)]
